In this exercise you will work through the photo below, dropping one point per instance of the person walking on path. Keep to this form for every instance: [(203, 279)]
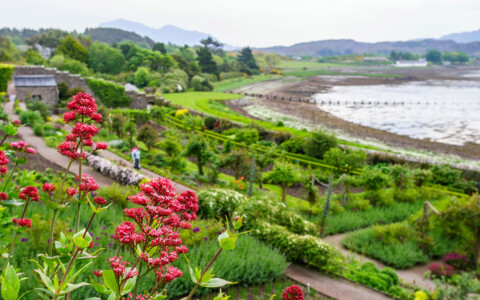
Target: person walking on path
[(136, 157)]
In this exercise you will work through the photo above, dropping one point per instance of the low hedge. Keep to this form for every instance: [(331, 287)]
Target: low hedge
[(111, 94), (6, 72), (216, 203)]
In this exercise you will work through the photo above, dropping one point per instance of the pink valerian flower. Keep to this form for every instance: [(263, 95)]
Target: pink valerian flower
[(441, 270), (100, 200), (119, 268), (125, 234), (3, 170), (85, 131), (456, 260), (68, 148), (293, 292), (30, 150), (22, 222), (3, 159), (97, 273), (101, 146), (138, 214), (168, 274), (3, 196), (29, 192), (48, 187), (71, 192), (20, 145), (16, 123), (83, 105), (87, 184)]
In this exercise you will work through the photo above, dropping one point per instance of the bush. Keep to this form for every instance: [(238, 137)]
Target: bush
[(38, 129), (6, 72), (68, 64), (294, 145), (200, 83), (319, 143), (44, 109), (280, 137), (230, 75), (118, 194), (148, 135), (250, 263), (247, 136), (111, 94), (30, 118), (201, 229), (210, 122), (392, 233), (174, 81), (217, 203)]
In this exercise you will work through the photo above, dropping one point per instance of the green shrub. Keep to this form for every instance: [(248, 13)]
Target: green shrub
[(6, 72), (201, 229), (210, 122), (44, 109), (68, 64), (111, 94), (393, 233), (230, 75), (306, 249), (319, 143), (247, 136), (202, 84), (118, 193), (250, 263), (216, 203), (30, 118), (174, 81), (38, 129)]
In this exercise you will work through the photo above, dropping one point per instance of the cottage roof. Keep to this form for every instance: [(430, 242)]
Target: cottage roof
[(35, 80)]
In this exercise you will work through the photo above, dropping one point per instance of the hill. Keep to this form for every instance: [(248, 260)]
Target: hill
[(166, 34), (463, 37), (346, 46), (114, 35)]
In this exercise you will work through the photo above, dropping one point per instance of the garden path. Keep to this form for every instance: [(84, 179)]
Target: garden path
[(336, 288), (413, 275)]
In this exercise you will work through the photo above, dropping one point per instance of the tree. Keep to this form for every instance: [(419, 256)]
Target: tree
[(272, 60), (263, 159), (71, 47), (142, 77), (239, 161), (284, 174), (319, 143), (131, 129), (148, 135), (184, 65), (201, 84), (8, 51), (373, 180), (105, 59), (34, 58), (118, 125), (247, 136), (199, 148), (205, 61), (214, 46), (246, 58), (159, 47), (434, 56), (455, 57), (346, 160)]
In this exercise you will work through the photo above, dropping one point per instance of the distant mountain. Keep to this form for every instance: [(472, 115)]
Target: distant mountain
[(463, 37), (166, 34), (341, 47), (114, 35)]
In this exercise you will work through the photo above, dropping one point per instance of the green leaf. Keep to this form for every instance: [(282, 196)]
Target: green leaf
[(227, 242), (111, 281), (112, 296), (10, 284), (207, 276), (12, 202), (216, 283), (239, 222), (159, 297), (72, 287), (99, 287), (192, 274), (10, 130), (48, 283), (129, 285), (197, 273), (80, 241), (272, 297), (50, 205)]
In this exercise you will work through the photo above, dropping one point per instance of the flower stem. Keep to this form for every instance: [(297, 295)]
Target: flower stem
[(15, 237), (3, 140), (203, 273), (10, 177), (136, 283), (77, 223), (79, 183), (60, 192), (50, 247)]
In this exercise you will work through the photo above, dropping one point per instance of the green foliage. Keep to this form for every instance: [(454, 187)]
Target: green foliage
[(455, 57), (247, 136), (6, 72), (201, 229), (174, 81), (319, 143), (202, 84), (210, 122), (293, 145), (252, 262), (117, 194), (38, 129), (171, 147), (200, 149), (345, 160), (239, 162), (142, 77), (300, 248), (373, 179), (111, 94), (434, 56), (71, 47), (34, 58), (68, 64), (206, 62), (105, 59), (44, 109), (118, 125), (393, 233), (31, 118), (247, 61), (148, 135), (284, 174), (445, 175), (217, 203)]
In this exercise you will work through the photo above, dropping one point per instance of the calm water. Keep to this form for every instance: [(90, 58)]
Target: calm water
[(443, 111)]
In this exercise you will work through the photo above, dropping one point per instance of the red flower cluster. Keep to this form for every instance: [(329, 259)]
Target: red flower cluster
[(293, 292), (29, 192), (441, 270), (22, 146), (16, 123), (97, 273), (157, 222), (3, 159), (119, 268), (100, 200), (88, 184), (48, 187), (71, 191), (82, 109), (3, 196), (22, 222)]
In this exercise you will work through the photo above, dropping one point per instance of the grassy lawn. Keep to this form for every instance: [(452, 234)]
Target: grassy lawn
[(235, 83)]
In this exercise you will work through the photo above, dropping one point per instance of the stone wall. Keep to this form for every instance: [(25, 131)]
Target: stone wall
[(48, 94), (140, 100)]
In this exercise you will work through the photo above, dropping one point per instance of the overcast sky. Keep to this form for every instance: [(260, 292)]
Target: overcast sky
[(259, 23)]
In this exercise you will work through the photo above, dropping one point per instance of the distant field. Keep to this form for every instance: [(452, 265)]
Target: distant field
[(310, 73), (235, 83), (296, 64)]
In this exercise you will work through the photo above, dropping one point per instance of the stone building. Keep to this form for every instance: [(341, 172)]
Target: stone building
[(41, 87)]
